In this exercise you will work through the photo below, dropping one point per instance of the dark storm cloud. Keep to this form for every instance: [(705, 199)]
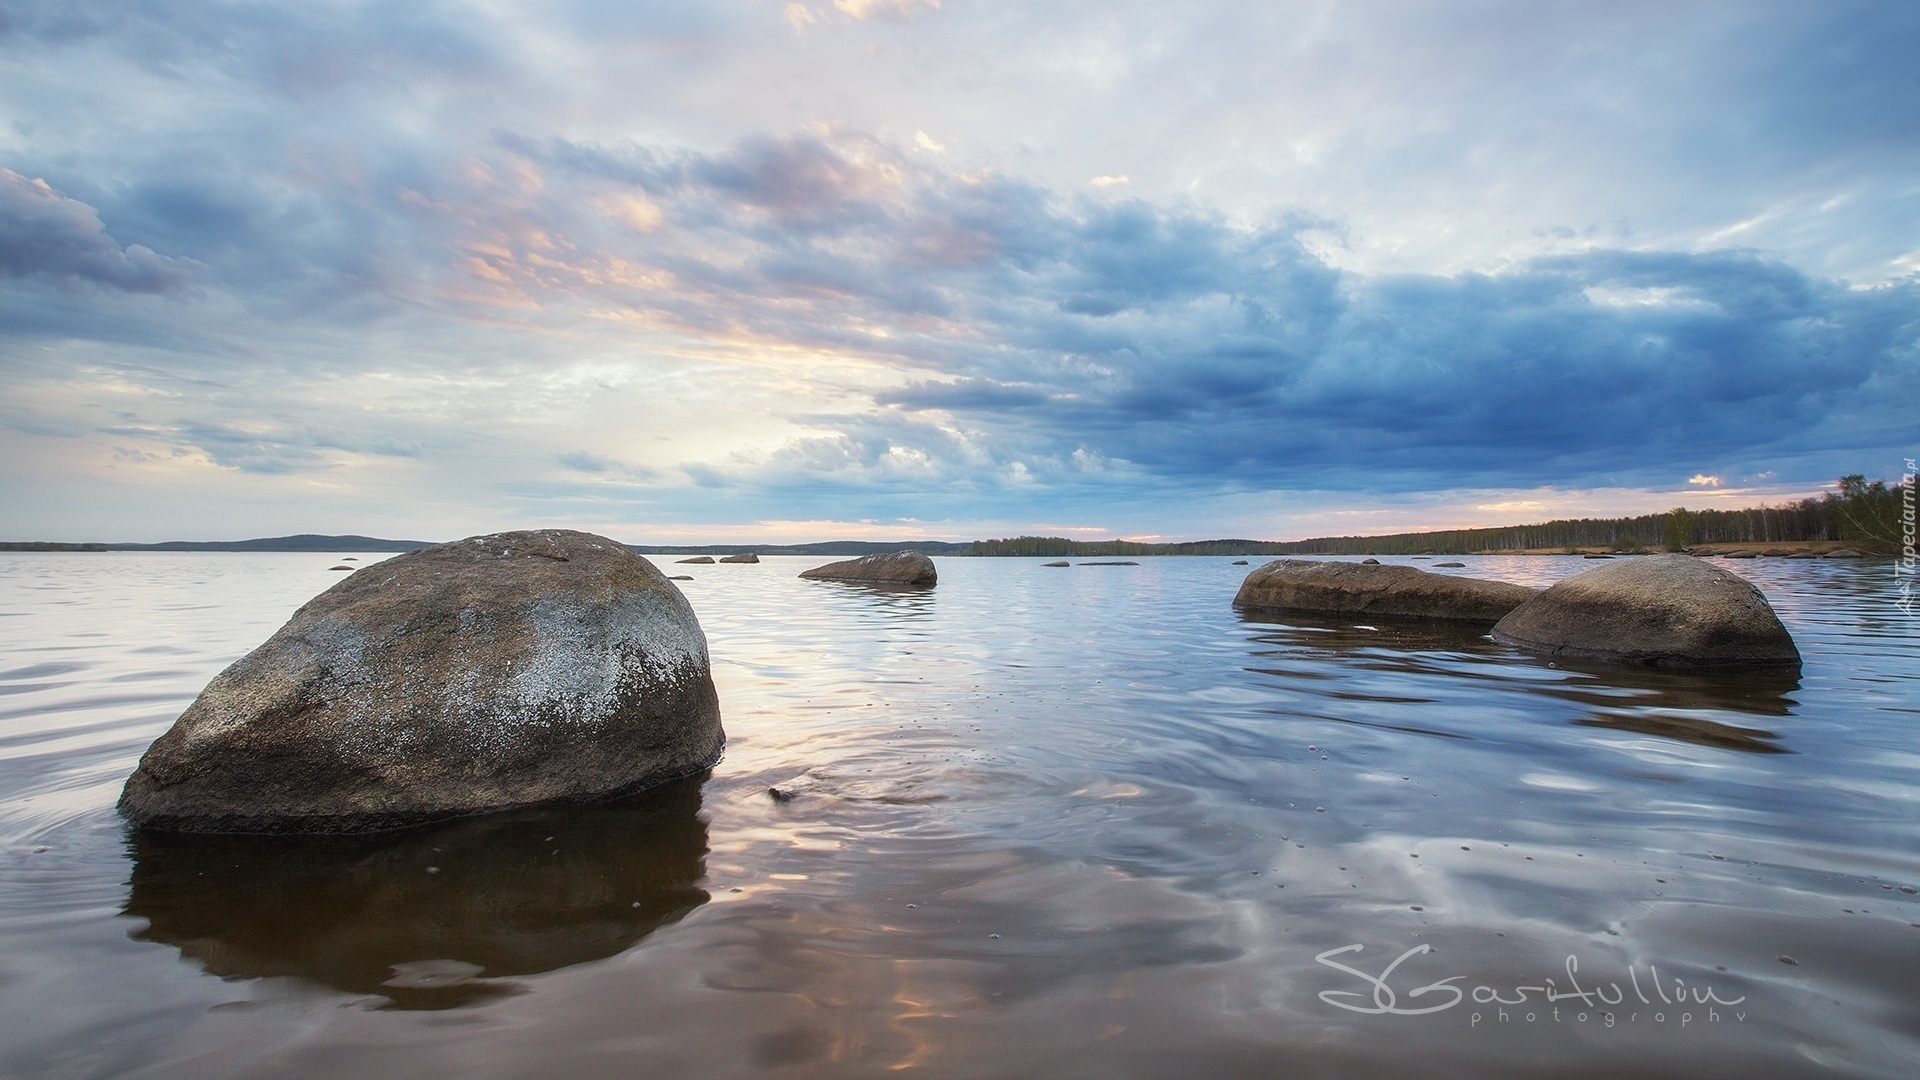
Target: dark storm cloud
[(1167, 338), (44, 234)]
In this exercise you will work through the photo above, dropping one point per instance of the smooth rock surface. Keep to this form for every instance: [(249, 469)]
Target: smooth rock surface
[(497, 671), (1376, 589), (1666, 610), (896, 568), (745, 557), (697, 560)]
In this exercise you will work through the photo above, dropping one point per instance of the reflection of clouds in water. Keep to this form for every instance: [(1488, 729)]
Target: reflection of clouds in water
[(432, 917)]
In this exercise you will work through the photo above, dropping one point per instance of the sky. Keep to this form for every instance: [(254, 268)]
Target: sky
[(873, 269)]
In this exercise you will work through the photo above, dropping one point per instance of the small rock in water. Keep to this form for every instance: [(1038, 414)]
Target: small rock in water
[(701, 560), (1449, 564), (780, 796), (1239, 562), (744, 557), (1062, 562), (898, 568), (1369, 562), (1665, 610), (679, 577), (1363, 589), (339, 567), (1785, 959)]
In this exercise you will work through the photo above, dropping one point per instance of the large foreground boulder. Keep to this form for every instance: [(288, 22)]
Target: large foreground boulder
[(1666, 610), (897, 568), (1373, 589), (497, 671)]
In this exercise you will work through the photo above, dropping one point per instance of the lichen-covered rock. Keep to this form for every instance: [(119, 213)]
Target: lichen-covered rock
[(746, 557), (1666, 610), (896, 568), (497, 671), (1375, 589)]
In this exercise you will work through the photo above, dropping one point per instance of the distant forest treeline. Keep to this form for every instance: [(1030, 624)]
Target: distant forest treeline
[(1867, 515)]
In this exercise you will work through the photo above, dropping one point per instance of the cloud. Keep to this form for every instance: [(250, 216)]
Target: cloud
[(44, 234), (1466, 252), (1177, 343), (891, 9), (605, 468)]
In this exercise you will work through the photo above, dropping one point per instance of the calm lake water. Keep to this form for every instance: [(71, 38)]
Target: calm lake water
[(1045, 823)]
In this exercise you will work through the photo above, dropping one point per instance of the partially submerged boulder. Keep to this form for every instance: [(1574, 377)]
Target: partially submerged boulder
[(497, 671), (745, 557), (697, 560), (1376, 589), (896, 568), (1666, 610)]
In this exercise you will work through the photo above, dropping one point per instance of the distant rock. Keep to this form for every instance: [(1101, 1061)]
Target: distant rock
[(1738, 555), (339, 567), (1665, 610), (497, 671), (1844, 553), (1239, 562), (1110, 563), (1591, 555), (1369, 562), (1453, 564), (1803, 555), (680, 577), (745, 557), (1776, 553), (1062, 562), (897, 568), (701, 560), (1362, 589)]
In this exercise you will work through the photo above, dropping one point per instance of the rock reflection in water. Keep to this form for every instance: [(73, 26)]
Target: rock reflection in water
[(1348, 634), (893, 598), (1653, 701), (1624, 697), (430, 918)]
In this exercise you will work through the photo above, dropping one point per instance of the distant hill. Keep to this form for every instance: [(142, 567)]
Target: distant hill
[(302, 542), (1867, 515), (826, 547), (318, 543)]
